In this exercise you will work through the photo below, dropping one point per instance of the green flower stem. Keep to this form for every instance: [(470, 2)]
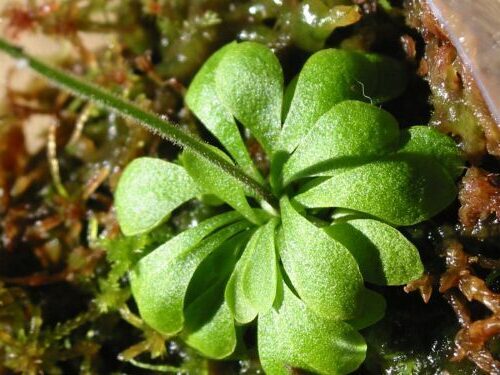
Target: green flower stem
[(127, 109)]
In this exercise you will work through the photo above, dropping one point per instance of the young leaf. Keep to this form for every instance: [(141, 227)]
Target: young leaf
[(219, 183), (384, 255), (331, 76), (429, 142), (210, 325), (351, 131), (292, 337), (401, 189), (388, 76), (249, 82), (288, 96), (148, 191), (160, 280), (241, 308), (372, 311), (252, 286), (202, 99), (260, 274), (322, 271)]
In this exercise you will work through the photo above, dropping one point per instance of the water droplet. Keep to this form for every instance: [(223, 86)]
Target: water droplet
[(22, 64)]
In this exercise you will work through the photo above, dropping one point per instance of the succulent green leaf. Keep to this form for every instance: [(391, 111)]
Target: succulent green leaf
[(384, 255), (331, 76), (260, 275), (429, 142), (202, 99), (160, 280), (209, 324), (249, 82), (389, 79), (372, 311), (252, 286), (241, 308), (216, 181), (350, 132), (292, 337), (322, 271), (148, 191), (400, 189)]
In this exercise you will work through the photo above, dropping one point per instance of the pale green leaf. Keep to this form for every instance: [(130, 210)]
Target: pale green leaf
[(252, 286), (218, 182), (202, 99), (209, 324), (160, 280), (428, 142), (350, 132), (239, 305), (260, 274), (322, 271), (401, 189), (331, 76), (372, 311), (249, 82), (148, 191), (292, 337), (384, 255)]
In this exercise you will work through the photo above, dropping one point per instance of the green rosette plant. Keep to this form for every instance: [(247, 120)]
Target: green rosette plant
[(275, 259)]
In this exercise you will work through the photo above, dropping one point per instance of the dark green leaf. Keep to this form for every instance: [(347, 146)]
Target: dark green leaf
[(322, 271), (293, 337), (239, 305), (401, 189), (160, 280), (384, 255), (372, 311), (219, 183), (249, 82), (252, 286), (428, 142), (350, 132), (388, 76), (260, 274), (202, 99), (148, 191), (209, 324), (331, 76)]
